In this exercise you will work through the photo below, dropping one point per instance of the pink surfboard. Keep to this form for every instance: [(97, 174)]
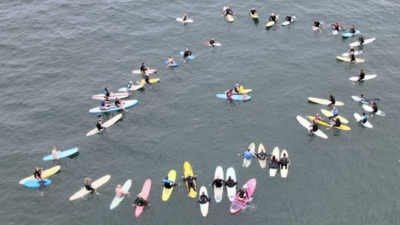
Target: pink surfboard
[(112, 96), (145, 194), (238, 204)]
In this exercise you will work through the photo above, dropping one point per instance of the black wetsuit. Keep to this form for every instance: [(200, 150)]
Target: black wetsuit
[(273, 163), (242, 194), (143, 69), (107, 96), (332, 99), (117, 102), (187, 53), (237, 89), (204, 199), (212, 42), (351, 50), (337, 123), (37, 174), (261, 155), (352, 58), (284, 161), (361, 77), (89, 187), (140, 201), (272, 18), (317, 24), (361, 40), (228, 11), (190, 182), (252, 12), (218, 183), (314, 126), (375, 108), (288, 18), (99, 126), (352, 30), (147, 79), (184, 18), (230, 183)]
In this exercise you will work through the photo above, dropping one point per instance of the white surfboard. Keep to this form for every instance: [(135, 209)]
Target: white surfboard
[(247, 162), (272, 171), (285, 23), (346, 54), (117, 199), (324, 101), (263, 163), (231, 190), (284, 172), (219, 173), (204, 207), (133, 88), (112, 96), (215, 44), (370, 109), (95, 185), (186, 21), (358, 118), (307, 124), (367, 77), (367, 41), (106, 124), (149, 71)]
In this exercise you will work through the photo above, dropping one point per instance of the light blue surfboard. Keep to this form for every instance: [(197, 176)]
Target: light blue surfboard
[(174, 64), (36, 183), (113, 108), (234, 97), (62, 154), (189, 57), (351, 34)]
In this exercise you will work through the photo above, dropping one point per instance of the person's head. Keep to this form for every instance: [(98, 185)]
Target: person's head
[(99, 119), (288, 14), (166, 177), (272, 14), (351, 47), (118, 186), (229, 178), (106, 89), (188, 175), (248, 149), (212, 39), (334, 108), (139, 195), (316, 20), (313, 121), (262, 151), (374, 104), (336, 116), (37, 168), (170, 57), (273, 157), (363, 113), (54, 147), (330, 96), (237, 85), (184, 14), (361, 71), (116, 99), (227, 7), (360, 36), (336, 23), (318, 114), (231, 89), (352, 26), (130, 82), (284, 154), (143, 64), (252, 8), (187, 49), (202, 193), (87, 180), (361, 95)]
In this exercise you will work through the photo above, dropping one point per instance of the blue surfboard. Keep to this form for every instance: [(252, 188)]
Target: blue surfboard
[(62, 154), (351, 34), (127, 104), (189, 57), (357, 99), (36, 183), (234, 97), (174, 64)]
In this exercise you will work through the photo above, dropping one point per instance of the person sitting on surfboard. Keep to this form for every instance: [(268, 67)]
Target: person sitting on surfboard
[(107, 93), (335, 112), (103, 104), (272, 18), (332, 99), (352, 30), (212, 42), (230, 182), (38, 173), (129, 86), (253, 12), (189, 179), (99, 125), (274, 163), (229, 93), (218, 182), (313, 125), (318, 118), (54, 153), (337, 26), (289, 18), (361, 40), (238, 88), (242, 193), (284, 161), (227, 11), (168, 183), (140, 201), (317, 24), (352, 57), (247, 154), (120, 104), (363, 118), (184, 17), (119, 192), (170, 61), (204, 198), (337, 123), (187, 53), (143, 69), (89, 187), (361, 76)]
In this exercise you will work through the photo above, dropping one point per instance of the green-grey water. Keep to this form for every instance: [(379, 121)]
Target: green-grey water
[(57, 54)]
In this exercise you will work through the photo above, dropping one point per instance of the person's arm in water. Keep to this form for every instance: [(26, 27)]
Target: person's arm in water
[(213, 183)]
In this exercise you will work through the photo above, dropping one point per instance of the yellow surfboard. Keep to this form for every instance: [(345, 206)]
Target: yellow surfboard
[(243, 91), (167, 192), (151, 81), (95, 185), (45, 173), (342, 127), (271, 23), (347, 59), (329, 114), (187, 169)]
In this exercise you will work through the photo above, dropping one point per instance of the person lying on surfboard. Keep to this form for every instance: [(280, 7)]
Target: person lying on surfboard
[(168, 183), (218, 182), (262, 155), (89, 187), (313, 126), (140, 201), (230, 182), (284, 161), (272, 18), (170, 61), (242, 193), (227, 11), (187, 53), (273, 163), (54, 153), (247, 154), (253, 12), (204, 198), (119, 192), (189, 180), (317, 24), (361, 76), (352, 30), (337, 26), (360, 40)]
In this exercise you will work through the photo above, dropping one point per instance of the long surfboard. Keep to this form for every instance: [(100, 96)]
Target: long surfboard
[(263, 163), (238, 97), (204, 207), (186, 21), (112, 96), (351, 34), (243, 91), (187, 169), (272, 171), (231, 191), (133, 88), (367, 41), (150, 80), (36, 183), (219, 173), (44, 174), (168, 191), (145, 194), (215, 44), (358, 118), (370, 109), (329, 114), (112, 108), (115, 202), (342, 127), (271, 23), (106, 124), (247, 162), (367, 77), (324, 101), (238, 203), (347, 59), (284, 172), (95, 185), (62, 154), (147, 71), (306, 124)]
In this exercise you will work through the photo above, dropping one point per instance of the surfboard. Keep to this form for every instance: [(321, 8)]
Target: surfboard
[(36, 183), (107, 124), (231, 191), (272, 171), (358, 118), (351, 34), (307, 124), (370, 109), (189, 57), (316, 28), (235, 97), (133, 88), (204, 207), (247, 162), (168, 191), (115, 202), (346, 54), (366, 41), (367, 77), (229, 17), (244, 91), (145, 194), (150, 80), (215, 44), (173, 65), (287, 22), (342, 127), (329, 114), (271, 23), (357, 99), (45, 173), (112, 108), (186, 21), (238, 204), (333, 26), (218, 191), (112, 96), (187, 169), (263, 163), (62, 154), (324, 101), (147, 71), (95, 185), (284, 172), (347, 59)]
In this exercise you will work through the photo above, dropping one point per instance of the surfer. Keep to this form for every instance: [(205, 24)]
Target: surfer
[(352, 57), (361, 76), (272, 18), (361, 97), (184, 17), (227, 11), (332, 99), (143, 69), (38, 173), (337, 123), (54, 153), (204, 198), (337, 26), (253, 12), (212, 42), (360, 40), (119, 192), (317, 24), (335, 112), (262, 155), (218, 182), (238, 88), (363, 118), (351, 49), (284, 161), (171, 61), (273, 163), (147, 79), (189, 179), (107, 94), (103, 104), (230, 182), (129, 86), (352, 30), (140, 201), (187, 53), (168, 183), (375, 109), (229, 93), (89, 187), (314, 125), (120, 104), (289, 18), (247, 154), (242, 193), (99, 125)]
